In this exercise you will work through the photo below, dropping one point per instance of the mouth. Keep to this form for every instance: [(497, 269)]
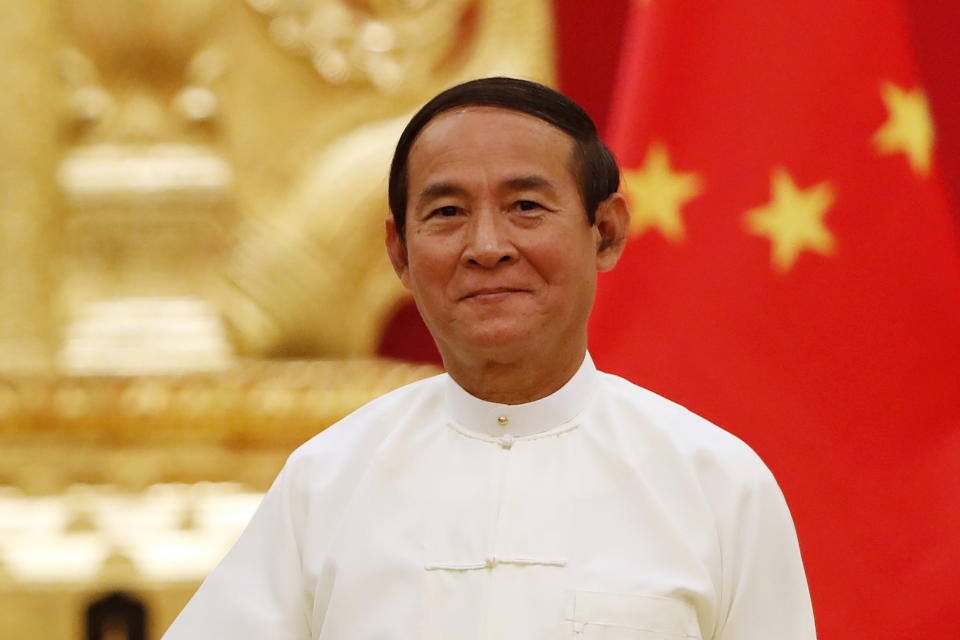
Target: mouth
[(492, 294)]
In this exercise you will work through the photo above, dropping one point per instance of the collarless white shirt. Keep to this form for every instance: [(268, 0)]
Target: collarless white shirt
[(600, 511)]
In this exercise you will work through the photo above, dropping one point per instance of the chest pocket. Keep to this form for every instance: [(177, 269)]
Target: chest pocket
[(614, 616)]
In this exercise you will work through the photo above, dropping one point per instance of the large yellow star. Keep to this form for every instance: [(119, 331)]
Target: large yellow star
[(793, 220), (909, 127), (657, 194)]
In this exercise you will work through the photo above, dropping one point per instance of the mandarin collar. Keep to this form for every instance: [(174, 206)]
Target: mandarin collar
[(517, 420)]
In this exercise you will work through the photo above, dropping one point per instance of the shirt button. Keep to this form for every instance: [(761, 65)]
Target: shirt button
[(491, 562), (503, 421), (506, 441)]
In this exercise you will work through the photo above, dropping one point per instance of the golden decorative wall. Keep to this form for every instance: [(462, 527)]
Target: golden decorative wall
[(192, 274)]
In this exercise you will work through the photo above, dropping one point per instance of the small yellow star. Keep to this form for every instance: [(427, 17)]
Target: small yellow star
[(793, 220), (909, 127), (657, 194)]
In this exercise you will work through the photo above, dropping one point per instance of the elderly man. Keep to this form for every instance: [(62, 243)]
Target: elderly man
[(523, 494)]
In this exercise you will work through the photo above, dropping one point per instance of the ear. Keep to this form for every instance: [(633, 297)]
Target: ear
[(397, 250), (613, 227)]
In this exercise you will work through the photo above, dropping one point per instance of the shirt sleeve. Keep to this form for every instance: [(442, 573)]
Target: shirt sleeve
[(764, 592), (257, 589)]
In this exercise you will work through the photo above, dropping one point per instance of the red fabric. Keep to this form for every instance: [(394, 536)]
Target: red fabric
[(588, 37), (842, 371), (934, 27)]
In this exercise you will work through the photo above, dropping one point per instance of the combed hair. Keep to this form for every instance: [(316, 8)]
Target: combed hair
[(594, 166)]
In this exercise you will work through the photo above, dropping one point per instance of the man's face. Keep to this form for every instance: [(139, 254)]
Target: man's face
[(499, 255)]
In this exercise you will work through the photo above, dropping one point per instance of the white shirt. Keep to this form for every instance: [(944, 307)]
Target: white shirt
[(601, 511)]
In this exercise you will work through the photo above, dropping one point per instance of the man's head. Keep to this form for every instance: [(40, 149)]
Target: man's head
[(500, 247), (593, 165)]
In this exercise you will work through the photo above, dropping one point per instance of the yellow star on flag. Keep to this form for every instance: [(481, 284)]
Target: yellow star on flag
[(909, 127), (657, 194), (793, 220)]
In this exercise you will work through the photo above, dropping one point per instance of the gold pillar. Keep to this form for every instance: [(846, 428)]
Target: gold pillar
[(29, 234)]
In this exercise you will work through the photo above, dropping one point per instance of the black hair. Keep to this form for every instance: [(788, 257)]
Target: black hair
[(594, 166)]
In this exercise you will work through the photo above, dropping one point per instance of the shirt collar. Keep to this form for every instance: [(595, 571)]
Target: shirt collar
[(494, 419)]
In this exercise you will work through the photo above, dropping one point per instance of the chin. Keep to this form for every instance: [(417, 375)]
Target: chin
[(496, 341)]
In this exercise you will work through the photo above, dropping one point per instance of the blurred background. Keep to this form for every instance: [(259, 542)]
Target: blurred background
[(192, 278)]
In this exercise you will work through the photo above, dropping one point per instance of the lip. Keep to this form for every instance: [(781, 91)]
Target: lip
[(492, 293)]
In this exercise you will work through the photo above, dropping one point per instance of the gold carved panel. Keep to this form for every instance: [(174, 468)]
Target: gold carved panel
[(229, 154), (192, 273)]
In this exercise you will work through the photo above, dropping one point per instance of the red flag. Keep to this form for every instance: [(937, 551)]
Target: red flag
[(794, 276)]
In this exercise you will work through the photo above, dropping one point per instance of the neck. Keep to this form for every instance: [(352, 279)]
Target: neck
[(514, 380)]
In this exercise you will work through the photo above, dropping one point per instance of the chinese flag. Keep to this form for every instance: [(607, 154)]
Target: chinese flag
[(793, 274)]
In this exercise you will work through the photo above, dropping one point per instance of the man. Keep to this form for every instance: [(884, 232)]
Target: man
[(523, 494)]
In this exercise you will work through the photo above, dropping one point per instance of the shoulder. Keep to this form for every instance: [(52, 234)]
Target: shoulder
[(660, 422), (364, 430)]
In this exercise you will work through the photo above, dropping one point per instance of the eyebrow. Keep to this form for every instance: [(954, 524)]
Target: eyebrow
[(440, 190)]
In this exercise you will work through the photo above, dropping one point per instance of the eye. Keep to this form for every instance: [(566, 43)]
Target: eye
[(528, 205), (447, 212)]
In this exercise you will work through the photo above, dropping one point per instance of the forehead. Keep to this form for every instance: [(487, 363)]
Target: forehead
[(494, 136)]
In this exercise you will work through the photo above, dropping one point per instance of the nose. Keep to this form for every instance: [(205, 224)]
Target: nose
[(488, 242)]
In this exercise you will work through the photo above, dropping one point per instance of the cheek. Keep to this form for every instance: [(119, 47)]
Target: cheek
[(430, 271), (564, 264)]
